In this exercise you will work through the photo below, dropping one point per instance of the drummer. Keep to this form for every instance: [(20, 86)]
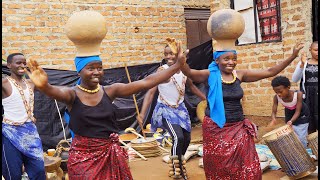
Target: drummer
[(170, 112), (296, 111)]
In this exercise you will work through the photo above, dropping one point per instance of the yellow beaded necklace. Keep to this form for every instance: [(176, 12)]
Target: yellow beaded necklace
[(88, 90), (229, 82)]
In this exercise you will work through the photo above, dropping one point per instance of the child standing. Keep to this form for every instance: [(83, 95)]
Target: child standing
[(296, 111), (307, 73)]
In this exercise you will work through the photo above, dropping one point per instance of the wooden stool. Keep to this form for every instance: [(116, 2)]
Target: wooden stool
[(52, 165)]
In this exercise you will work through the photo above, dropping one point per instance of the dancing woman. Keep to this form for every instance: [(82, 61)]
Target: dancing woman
[(228, 137), (95, 152)]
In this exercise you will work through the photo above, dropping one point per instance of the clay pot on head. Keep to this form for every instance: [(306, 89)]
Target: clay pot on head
[(225, 26), (86, 29)]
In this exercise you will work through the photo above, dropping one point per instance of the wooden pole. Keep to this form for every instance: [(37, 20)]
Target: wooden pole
[(134, 99)]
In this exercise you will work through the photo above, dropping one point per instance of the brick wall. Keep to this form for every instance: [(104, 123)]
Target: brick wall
[(295, 27), (36, 28)]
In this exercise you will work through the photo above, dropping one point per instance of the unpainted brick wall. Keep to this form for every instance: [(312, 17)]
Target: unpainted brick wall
[(36, 28)]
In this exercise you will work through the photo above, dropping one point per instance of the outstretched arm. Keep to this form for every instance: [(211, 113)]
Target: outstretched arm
[(297, 74), (146, 103), (195, 90), (123, 90), (255, 75), (40, 79), (197, 76)]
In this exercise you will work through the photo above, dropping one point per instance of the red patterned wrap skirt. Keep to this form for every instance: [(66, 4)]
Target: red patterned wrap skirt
[(229, 152), (98, 159)]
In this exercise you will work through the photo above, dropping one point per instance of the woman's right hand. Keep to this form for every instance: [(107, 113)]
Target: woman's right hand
[(272, 123), (303, 59), (37, 75)]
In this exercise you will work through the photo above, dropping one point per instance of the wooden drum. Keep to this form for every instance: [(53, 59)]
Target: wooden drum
[(289, 152), (313, 142)]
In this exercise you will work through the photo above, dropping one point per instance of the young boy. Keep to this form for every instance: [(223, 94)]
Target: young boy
[(296, 111)]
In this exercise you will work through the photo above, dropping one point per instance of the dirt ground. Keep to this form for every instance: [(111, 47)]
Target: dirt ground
[(155, 169)]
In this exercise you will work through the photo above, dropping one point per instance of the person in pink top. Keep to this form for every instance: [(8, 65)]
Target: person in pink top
[(296, 111)]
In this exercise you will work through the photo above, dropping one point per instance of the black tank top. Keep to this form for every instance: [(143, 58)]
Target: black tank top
[(303, 117), (93, 121), (311, 75), (232, 95)]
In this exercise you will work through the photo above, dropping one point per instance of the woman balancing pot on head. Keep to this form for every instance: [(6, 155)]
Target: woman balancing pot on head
[(95, 152), (228, 137)]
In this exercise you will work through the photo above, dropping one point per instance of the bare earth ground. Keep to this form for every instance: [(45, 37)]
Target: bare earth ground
[(155, 169)]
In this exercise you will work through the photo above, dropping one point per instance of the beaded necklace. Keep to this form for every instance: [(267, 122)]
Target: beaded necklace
[(88, 90), (29, 109), (229, 82)]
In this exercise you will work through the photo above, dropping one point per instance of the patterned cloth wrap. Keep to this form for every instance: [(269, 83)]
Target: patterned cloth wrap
[(98, 158), (179, 116), (25, 138), (229, 152)]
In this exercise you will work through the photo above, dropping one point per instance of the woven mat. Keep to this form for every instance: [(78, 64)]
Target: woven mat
[(145, 147), (150, 155)]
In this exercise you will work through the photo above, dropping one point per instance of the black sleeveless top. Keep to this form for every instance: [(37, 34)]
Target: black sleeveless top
[(232, 95), (93, 121), (311, 75)]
